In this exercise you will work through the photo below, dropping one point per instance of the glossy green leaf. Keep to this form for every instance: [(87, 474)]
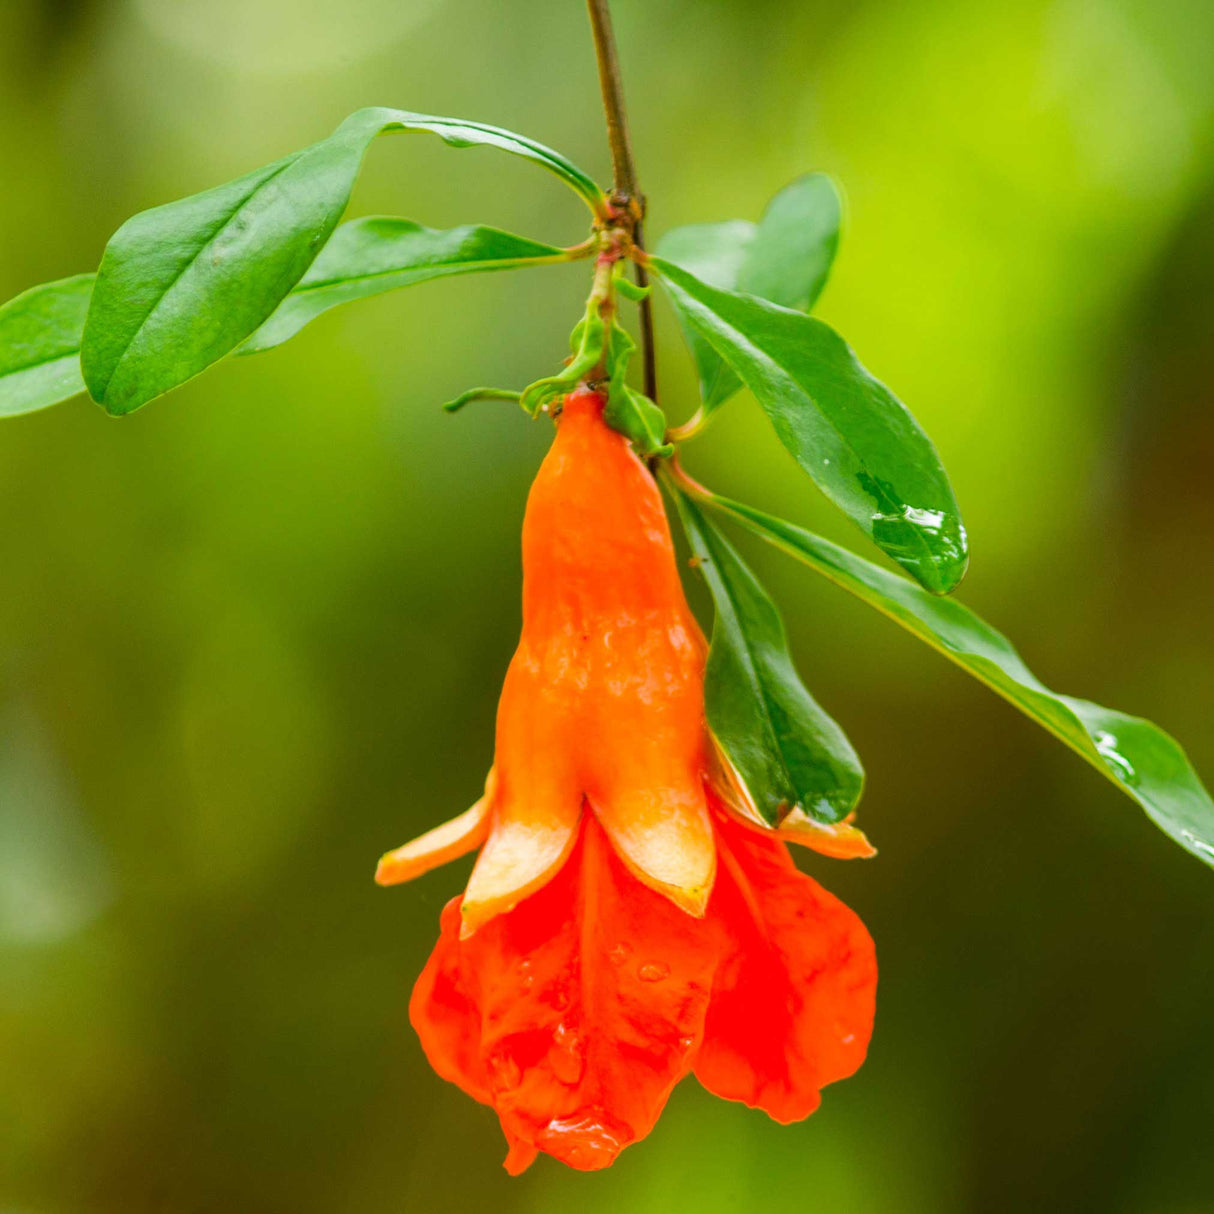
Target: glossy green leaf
[(41, 330), (182, 285), (787, 752), (1143, 761), (371, 256), (856, 440), (785, 258), (40, 345)]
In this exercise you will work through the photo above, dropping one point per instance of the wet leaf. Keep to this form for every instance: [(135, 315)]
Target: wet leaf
[(786, 750), (856, 440), (1139, 757)]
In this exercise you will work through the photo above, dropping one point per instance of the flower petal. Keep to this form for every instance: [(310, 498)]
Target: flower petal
[(665, 837), (643, 775), (792, 1010), (446, 842), (520, 857), (536, 798), (575, 1013), (444, 1015)]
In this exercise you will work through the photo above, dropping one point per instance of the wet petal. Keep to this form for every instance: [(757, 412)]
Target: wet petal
[(792, 1009), (574, 1014), (445, 1017), (446, 842)]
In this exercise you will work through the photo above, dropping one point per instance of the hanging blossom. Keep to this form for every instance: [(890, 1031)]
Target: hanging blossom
[(628, 919)]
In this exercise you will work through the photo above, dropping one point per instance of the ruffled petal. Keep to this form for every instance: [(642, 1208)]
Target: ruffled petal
[(444, 1015), (574, 1014), (438, 846), (792, 1008)]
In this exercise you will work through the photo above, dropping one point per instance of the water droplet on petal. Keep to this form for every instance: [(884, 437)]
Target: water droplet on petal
[(653, 971), (619, 954), (506, 1072), (582, 1142), (567, 1057)]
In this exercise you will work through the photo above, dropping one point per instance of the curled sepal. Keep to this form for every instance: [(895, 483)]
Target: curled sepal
[(630, 412), (587, 341), (466, 398), (839, 840)]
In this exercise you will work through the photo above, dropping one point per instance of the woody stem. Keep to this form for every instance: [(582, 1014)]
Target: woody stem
[(627, 191)]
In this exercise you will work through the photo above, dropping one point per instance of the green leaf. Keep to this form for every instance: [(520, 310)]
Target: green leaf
[(856, 440), (370, 256), (182, 285), (787, 752), (785, 259), (795, 244), (1143, 761), (40, 344), (714, 253), (41, 330)]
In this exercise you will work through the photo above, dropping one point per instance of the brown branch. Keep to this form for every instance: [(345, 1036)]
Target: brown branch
[(627, 191)]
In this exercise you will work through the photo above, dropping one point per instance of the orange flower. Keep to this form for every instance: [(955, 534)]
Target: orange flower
[(628, 920)]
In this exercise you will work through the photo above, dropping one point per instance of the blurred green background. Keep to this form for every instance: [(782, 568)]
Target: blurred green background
[(253, 635)]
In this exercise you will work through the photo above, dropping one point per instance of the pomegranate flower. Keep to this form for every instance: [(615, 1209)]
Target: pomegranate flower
[(627, 921)]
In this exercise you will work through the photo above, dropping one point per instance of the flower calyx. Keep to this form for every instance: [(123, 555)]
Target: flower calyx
[(600, 347)]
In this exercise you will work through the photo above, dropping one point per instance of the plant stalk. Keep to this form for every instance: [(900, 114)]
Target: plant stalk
[(627, 190)]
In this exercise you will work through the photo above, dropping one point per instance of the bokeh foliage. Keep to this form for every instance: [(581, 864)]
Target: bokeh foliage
[(253, 635)]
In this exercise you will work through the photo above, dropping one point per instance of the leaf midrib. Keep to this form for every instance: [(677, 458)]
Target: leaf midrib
[(492, 263), (187, 265), (830, 421), (8, 373), (846, 581)]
